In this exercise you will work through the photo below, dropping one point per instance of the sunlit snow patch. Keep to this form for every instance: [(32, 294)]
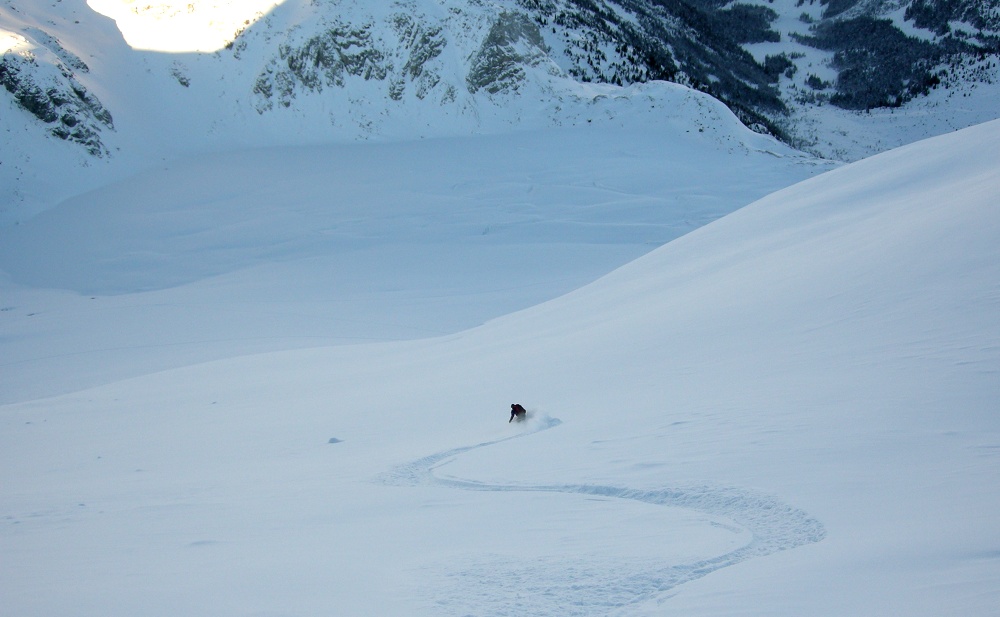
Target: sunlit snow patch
[(181, 26), (11, 42)]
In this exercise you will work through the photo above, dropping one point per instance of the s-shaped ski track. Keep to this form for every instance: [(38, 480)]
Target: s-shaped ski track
[(774, 526)]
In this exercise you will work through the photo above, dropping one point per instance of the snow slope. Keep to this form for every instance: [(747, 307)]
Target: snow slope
[(789, 411)]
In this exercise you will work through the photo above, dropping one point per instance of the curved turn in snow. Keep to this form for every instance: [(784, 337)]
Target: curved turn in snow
[(550, 586)]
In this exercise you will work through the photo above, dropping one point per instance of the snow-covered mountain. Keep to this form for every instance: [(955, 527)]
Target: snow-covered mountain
[(148, 87), (96, 90)]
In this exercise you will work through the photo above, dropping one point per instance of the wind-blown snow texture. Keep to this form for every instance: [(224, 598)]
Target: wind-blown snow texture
[(790, 410)]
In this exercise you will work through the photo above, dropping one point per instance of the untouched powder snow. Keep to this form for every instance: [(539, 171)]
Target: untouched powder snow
[(788, 411), (282, 248)]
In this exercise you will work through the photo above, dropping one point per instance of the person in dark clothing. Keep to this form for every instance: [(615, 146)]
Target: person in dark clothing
[(516, 411)]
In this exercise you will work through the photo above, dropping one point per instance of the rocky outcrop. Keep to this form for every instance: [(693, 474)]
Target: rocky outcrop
[(40, 76), (513, 43), (343, 51), (321, 61), (421, 43)]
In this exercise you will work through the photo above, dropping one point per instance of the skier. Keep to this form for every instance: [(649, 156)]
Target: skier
[(516, 411)]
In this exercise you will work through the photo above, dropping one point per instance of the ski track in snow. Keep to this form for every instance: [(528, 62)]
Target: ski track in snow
[(551, 586)]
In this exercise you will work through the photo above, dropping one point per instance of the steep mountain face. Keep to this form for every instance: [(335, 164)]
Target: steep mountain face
[(406, 52), (512, 44), (40, 76), (763, 58), (768, 58), (329, 58), (697, 43), (825, 76), (613, 42)]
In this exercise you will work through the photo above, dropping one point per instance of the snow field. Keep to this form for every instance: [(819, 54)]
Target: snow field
[(297, 247), (788, 411)]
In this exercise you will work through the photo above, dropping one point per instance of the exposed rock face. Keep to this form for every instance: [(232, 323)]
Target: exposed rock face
[(50, 91), (421, 43), (346, 50), (512, 44), (322, 61)]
